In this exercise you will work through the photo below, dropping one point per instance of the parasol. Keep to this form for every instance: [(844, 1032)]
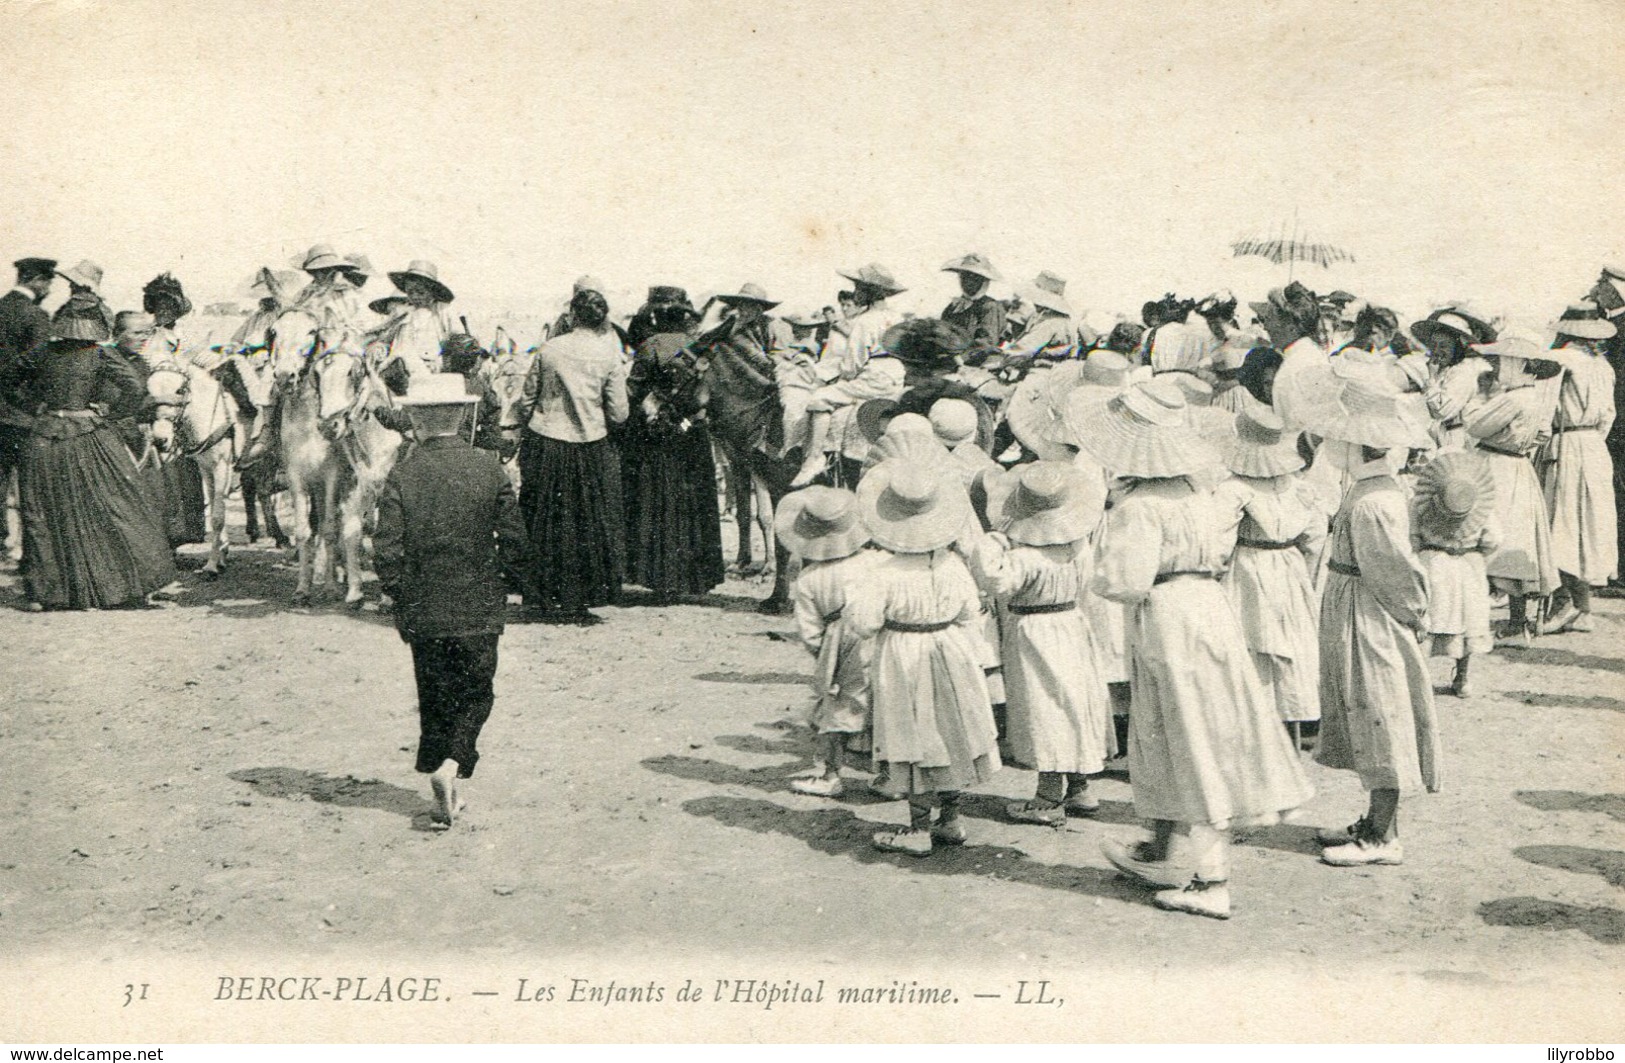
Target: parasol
[(1282, 248)]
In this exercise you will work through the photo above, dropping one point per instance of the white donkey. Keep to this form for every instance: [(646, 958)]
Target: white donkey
[(333, 448), (209, 417)]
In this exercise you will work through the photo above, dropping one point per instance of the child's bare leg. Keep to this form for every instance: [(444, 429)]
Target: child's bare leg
[(813, 463)]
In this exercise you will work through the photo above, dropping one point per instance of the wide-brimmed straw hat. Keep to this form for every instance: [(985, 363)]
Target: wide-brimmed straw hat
[(909, 437), (1104, 369), (1367, 408), (359, 265), (953, 420), (749, 293), (1517, 341), (425, 271), (1048, 300), (820, 523), (1036, 410), (1143, 430), (872, 415), (911, 508), (1455, 321), (1183, 347), (438, 389), (1046, 503), (1584, 321), (86, 274), (975, 263), (1455, 496), (322, 256), (876, 276), (1262, 447)]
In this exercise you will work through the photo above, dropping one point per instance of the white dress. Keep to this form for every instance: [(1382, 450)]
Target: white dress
[(1580, 482), (1279, 530), (841, 682), (1059, 715), (1508, 429), (933, 722), (1204, 744)]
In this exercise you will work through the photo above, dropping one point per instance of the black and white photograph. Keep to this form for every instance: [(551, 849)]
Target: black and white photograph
[(1072, 521)]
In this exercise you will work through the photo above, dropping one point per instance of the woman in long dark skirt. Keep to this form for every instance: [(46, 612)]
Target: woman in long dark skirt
[(673, 527), (91, 538), (571, 472)]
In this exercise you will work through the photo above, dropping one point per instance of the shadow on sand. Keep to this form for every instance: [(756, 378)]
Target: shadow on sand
[(345, 791)]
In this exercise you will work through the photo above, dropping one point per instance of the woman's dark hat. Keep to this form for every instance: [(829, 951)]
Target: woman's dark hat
[(1452, 321)]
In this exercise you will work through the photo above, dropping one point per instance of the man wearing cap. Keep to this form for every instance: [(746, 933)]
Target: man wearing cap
[(24, 326), (865, 374), (975, 313), (448, 529)]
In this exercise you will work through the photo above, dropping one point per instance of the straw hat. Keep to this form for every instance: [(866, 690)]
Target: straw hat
[(1144, 430), (913, 509), (909, 436), (1367, 409), (86, 275), (1583, 321), (1198, 392), (1454, 497), (424, 271), (1262, 446), (802, 319), (974, 263), (587, 283), (748, 293), (1455, 321), (1178, 346), (953, 421), (1050, 282), (387, 305), (322, 256), (876, 276), (820, 523), (1046, 503), (1035, 411), (872, 416), (1516, 341), (438, 389), (1048, 300), (1105, 369)]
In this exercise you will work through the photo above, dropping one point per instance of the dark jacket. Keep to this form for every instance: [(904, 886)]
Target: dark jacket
[(981, 319), (448, 526), (24, 327)]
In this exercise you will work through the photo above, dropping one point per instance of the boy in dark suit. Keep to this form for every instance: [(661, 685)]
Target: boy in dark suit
[(448, 525)]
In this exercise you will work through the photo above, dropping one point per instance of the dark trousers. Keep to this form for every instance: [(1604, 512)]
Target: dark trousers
[(454, 698)]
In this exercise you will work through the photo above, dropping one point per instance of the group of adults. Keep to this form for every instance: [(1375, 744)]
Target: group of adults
[(618, 426)]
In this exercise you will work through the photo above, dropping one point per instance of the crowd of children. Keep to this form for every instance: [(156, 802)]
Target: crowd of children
[(1227, 575)]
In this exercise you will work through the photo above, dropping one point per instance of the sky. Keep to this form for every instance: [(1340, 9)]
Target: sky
[(1458, 151)]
